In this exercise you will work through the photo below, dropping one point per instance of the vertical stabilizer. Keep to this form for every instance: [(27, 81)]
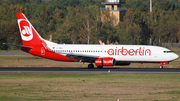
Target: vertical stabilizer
[(29, 35)]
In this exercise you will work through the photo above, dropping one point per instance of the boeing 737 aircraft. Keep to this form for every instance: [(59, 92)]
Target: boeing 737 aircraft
[(100, 55)]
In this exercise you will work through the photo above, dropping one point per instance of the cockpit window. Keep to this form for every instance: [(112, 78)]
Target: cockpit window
[(167, 51)]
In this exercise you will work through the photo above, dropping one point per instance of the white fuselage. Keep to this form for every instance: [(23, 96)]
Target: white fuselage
[(126, 53)]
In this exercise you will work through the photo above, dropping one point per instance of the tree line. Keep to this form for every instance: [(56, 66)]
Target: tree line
[(81, 22)]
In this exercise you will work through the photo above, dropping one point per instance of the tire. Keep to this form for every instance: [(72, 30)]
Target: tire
[(161, 67), (90, 66)]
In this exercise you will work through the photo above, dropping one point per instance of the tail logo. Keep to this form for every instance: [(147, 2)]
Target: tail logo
[(26, 30)]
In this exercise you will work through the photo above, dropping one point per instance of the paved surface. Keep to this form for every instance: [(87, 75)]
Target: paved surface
[(86, 70)]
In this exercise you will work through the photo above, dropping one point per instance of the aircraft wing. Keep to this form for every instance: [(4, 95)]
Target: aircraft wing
[(81, 57)]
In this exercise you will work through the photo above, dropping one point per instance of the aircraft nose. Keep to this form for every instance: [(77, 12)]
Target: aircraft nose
[(175, 56)]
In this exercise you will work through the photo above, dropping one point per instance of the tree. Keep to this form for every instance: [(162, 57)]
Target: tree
[(42, 21), (129, 31), (8, 25), (179, 33), (85, 29), (97, 24), (107, 32), (163, 25)]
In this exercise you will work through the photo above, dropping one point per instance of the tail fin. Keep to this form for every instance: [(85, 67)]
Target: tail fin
[(29, 35)]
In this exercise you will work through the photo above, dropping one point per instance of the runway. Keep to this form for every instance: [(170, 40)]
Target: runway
[(86, 70)]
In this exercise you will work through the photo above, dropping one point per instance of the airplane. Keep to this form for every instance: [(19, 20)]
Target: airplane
[(100, 55)]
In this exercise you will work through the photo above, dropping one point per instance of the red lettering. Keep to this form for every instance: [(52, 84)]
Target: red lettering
[(111, 51), (131, 52), (116, 51), (123, 51), (119, 50), (138, 51), (148, 50), (143, 51)]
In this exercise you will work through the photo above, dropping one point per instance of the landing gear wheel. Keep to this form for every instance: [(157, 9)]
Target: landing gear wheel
[(99, 67), (90, 66), (161, 67)]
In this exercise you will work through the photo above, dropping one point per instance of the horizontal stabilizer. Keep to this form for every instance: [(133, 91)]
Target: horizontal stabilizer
[(17, 45)]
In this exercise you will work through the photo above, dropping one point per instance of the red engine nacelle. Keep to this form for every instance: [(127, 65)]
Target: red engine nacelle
[(105, 61)]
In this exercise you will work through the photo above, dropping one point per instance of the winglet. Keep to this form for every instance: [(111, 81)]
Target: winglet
[(100, 42)]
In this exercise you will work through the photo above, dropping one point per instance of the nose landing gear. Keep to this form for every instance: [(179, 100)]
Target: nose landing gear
[(163, 63), (161, 67)]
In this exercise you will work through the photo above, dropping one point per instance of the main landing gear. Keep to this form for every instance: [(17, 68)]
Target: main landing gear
[(90, 66), (161, 67)]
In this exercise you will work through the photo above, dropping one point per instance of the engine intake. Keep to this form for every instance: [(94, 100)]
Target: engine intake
[(105, 61)]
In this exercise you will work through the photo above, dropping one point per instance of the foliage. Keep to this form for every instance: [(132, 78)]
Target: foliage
[(81, 21)]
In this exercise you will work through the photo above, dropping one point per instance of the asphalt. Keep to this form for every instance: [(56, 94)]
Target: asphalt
[(86, 70)]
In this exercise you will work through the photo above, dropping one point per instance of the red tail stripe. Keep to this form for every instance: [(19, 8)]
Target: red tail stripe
[(20, 16)]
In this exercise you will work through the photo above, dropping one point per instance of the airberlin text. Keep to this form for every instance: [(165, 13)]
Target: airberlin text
[(132, 52)]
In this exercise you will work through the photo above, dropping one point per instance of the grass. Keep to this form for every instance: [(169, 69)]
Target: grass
[(169, 92), (88, 87), (11, 50)]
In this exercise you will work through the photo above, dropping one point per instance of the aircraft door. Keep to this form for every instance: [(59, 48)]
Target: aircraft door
[(156, 53)]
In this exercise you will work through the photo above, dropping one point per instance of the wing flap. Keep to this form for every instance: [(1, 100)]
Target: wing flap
[(82, 57)]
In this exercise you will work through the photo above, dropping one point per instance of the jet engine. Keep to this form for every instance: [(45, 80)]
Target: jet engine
[(108, 61)]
